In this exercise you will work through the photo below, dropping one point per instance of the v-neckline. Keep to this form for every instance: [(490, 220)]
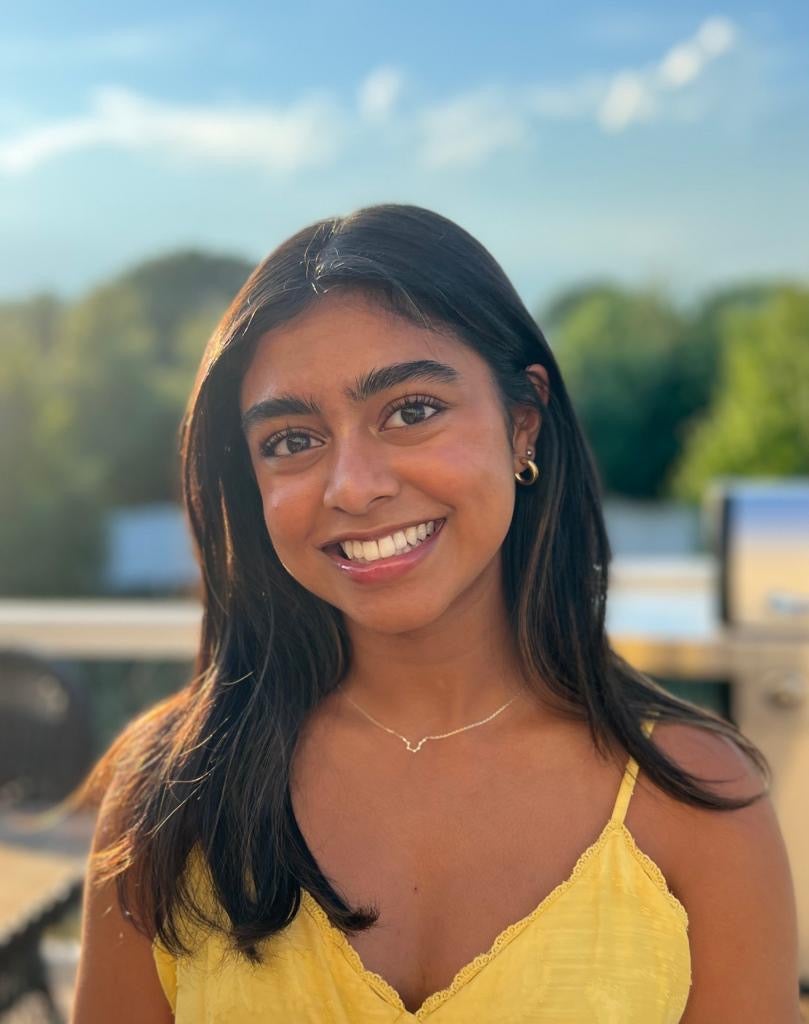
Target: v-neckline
[(469, 970)]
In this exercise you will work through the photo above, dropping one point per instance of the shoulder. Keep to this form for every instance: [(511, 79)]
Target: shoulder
[(117, 977), (716, 760), (731, 871), (705, 838)]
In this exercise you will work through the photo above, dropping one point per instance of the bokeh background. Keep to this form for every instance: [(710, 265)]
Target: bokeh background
[(641, 172), (641, 175)]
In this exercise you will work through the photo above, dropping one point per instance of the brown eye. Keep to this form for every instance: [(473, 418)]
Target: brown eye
[(413, 411), (288, 443)]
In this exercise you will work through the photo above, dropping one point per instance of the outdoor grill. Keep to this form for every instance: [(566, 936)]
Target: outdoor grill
[(761, 532)]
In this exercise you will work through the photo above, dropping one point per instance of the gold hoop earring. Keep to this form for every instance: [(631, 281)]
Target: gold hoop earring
[(531, 467)]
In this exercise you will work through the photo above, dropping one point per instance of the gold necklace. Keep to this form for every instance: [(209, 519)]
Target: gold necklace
[(442, 736)]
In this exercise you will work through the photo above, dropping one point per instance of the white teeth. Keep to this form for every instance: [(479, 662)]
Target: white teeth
[(386, 547), (370, 550)]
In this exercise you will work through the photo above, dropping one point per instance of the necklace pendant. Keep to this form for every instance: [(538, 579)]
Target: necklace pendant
[(414, 749)]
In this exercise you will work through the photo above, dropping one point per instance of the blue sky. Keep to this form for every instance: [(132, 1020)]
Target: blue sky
[(665, 145)]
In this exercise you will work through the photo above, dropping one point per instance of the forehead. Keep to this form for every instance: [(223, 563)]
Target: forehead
[(340, 337)]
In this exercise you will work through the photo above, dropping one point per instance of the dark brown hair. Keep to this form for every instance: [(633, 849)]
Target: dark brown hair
[(208, 770)]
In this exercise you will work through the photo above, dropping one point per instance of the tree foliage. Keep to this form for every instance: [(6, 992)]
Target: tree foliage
[(91, 395), (642, 374), (92, 392), (50, 539), (758, 424), (622, 357)]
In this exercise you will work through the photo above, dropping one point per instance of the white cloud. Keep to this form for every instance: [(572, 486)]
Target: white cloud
[(627, 99), (632, 95), (716, 36), (686, 61), (636, 95), (470, 127), (463, 130), (681, 65), (304, 133), (378, 93)]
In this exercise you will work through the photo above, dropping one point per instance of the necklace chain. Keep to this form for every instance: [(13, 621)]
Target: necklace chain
[(441, 736)]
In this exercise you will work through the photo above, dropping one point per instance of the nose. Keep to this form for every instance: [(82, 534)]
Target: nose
[(360, 473)]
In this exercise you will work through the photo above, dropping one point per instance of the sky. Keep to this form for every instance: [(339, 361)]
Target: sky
[(651, 144)]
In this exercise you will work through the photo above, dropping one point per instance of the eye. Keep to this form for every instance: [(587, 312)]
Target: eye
[(412, 410), (295, 442)]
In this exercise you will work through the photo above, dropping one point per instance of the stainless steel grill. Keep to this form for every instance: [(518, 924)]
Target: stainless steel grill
[(761, 531)]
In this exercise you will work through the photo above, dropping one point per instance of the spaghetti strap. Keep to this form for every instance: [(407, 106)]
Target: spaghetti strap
[(628, 782)]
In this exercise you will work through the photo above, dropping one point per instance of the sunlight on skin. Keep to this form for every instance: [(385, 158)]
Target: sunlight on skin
[(361, 468)]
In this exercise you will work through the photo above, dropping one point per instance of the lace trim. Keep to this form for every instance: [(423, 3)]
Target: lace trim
[(506, 936), (657, 876), (339, 939)]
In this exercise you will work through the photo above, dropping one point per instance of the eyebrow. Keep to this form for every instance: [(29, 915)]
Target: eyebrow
[(279, 405), (363, 388)]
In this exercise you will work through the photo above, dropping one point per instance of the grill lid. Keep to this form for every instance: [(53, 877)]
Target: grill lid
[(760, 532)]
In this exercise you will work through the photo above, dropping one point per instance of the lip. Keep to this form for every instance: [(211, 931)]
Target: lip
[(385, 569)]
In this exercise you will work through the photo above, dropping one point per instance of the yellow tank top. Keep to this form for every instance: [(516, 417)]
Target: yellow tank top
[(609, 945)]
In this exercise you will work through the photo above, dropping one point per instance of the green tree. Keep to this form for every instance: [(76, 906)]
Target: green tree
[(128, 358), (640, 372), (108, 369), (181, 287), (758, 423), (91, 396), (50, 528), (631, 380), (562, 305), (703, 333)]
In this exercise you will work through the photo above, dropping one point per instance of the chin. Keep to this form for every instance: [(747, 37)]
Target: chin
[(397, 619)]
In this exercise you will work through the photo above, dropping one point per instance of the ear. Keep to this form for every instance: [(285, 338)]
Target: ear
[(527, 419)]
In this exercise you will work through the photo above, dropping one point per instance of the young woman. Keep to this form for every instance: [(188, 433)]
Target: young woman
[(410, 779)]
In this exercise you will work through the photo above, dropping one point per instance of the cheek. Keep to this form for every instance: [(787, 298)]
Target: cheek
[(287, 506), (476, 480)]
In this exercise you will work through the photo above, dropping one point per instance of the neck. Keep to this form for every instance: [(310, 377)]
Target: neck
[(455, 670)]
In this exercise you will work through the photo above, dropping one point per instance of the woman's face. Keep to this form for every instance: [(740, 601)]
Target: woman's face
[(384, 462)]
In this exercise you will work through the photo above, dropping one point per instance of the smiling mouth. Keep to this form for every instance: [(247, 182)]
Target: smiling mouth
[(400, 542)]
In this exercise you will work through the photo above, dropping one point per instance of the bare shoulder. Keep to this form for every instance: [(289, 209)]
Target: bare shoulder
[(117, 976), (732, 873), (711, 756)]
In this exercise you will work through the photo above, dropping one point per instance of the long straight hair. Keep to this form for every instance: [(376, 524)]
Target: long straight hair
[(207, 771)]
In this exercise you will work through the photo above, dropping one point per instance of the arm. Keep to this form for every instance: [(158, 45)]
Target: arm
[(117, 978), (732, 874)]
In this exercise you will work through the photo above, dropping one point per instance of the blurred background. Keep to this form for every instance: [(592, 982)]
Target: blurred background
[(642, 176)]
